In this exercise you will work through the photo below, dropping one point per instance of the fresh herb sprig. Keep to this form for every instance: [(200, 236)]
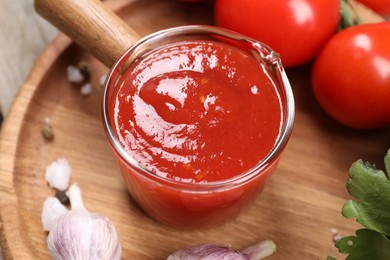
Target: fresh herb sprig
[(370, 188)]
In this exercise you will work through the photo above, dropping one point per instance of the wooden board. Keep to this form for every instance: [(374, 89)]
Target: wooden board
[(298, 209)]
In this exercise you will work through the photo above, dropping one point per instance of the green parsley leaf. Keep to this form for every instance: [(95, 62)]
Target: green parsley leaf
[(367, 244), (387, 163), (371, 189)]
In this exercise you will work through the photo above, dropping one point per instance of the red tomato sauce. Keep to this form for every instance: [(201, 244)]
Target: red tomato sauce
[(197, 111)]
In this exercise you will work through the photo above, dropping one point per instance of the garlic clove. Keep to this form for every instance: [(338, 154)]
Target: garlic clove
[(102, 80), (74, 74), (260, 250), (52, 210), (105, 239), (58, 174), (86, 89)]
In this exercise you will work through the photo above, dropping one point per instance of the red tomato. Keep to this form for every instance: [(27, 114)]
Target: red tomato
[(382, 7), (351, 76), (296, 29)]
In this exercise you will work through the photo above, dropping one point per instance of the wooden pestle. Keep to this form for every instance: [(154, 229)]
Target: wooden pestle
[(91, 25)]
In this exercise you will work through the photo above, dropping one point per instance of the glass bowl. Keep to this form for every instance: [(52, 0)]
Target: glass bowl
[(197, 204)]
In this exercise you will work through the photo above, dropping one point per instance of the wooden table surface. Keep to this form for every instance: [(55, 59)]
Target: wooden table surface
[(23, 35)]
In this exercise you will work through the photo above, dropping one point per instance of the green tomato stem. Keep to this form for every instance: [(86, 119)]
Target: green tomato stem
[(349, 16)]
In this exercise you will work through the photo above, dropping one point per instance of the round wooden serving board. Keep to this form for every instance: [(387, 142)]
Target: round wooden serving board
[(298, 209)]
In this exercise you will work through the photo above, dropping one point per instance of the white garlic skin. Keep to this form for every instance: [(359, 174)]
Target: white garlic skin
[(52, 210), (58, 174), (74, 74), (79, 234)]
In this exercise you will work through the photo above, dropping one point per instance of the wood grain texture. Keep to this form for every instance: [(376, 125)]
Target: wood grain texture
[(298, 208), (23, 35)]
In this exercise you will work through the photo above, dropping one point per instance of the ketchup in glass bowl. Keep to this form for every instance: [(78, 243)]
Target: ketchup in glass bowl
[(197, 118)]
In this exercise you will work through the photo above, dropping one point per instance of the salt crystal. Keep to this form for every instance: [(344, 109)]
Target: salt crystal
[(74, 74), (86, 89), (52, 210), (58, 174)]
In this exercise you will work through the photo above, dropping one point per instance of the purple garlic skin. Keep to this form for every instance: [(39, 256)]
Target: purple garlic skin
[(207, 252), (217, 252), (79, 234)]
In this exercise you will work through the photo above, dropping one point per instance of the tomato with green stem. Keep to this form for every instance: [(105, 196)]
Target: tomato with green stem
[(351, 76), (296, 29)]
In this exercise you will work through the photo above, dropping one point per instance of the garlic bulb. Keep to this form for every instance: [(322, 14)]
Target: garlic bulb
[(215, 252), (79, 234)]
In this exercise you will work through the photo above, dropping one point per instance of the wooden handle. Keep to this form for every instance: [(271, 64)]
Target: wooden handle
[(91, 25)]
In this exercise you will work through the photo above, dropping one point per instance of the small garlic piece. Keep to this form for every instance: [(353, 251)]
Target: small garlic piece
[(52, 210), (213, 251), (260, 250), (86, 89), (102, 80), (74, 74), (79, 234), (58, 174)]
